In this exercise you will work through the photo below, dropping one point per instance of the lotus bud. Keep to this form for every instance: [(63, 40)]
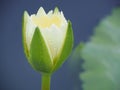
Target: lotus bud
[(47, 39)]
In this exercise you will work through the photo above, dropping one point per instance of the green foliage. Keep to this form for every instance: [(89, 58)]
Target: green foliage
[(39, 55), (75, 62), (24, 22), (101, 55)]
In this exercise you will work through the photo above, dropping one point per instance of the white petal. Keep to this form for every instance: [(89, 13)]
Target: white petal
[(50, 13), (33, 15), (62, 16), (30, 28), (41, 12), (54, 38)]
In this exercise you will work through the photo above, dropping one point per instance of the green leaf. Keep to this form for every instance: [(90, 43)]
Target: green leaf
[(24, 22), (39, 55), (102, 56), (77, 52), (75, 58), (67, 47)]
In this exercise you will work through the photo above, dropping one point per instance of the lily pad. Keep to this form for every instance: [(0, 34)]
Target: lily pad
[(101, 55)]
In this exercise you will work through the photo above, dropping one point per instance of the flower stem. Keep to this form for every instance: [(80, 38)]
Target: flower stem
[(46, 82)]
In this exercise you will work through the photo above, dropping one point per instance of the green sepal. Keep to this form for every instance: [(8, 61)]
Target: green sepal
[(39, 55), (67, 47), (56, 10), (24, 22)]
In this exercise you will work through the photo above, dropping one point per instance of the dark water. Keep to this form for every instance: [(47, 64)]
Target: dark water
[(15, 72)]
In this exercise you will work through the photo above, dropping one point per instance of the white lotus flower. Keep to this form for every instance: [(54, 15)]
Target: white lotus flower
[(44, 37)]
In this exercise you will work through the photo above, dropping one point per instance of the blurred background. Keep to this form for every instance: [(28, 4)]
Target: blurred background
[(15, 72)]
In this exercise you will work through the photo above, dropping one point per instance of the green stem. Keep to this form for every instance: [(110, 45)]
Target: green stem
[(46, 82)]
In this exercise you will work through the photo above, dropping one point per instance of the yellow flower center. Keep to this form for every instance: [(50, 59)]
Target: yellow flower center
[(47, 21)]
